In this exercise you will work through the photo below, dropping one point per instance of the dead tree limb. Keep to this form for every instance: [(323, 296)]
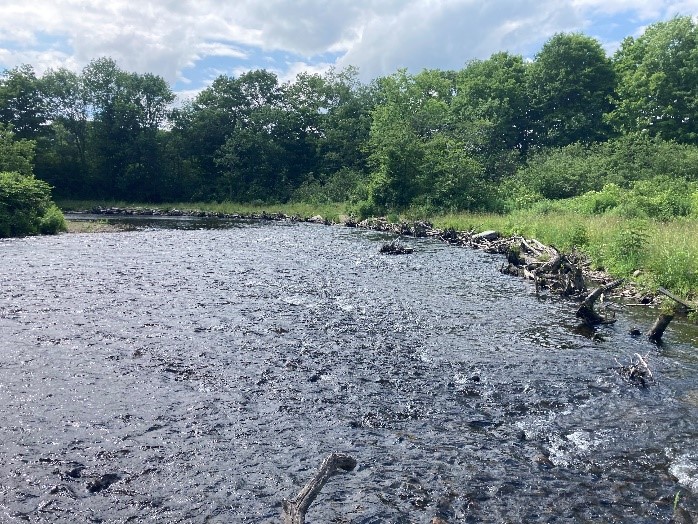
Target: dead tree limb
[(551, 265), (657, 330), (664, 319), (296, 508), (586, 310), (673, 297)]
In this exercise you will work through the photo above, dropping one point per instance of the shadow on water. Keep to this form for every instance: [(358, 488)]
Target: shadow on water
[(198, 374)]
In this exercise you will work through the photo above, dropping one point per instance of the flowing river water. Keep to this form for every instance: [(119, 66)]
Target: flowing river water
[(185, 373)]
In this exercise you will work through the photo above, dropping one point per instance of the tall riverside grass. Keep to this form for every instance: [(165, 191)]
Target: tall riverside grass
[(665, 252)]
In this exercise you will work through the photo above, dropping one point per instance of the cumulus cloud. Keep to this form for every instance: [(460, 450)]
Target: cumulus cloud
[(447, 34), (173, 38)]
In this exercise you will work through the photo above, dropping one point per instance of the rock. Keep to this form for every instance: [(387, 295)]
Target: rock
[(637, 273), (486, 235), (103, 482), (317, 219), (543, 461)]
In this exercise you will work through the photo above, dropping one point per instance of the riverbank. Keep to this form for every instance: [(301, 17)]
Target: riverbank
[(648, 254)]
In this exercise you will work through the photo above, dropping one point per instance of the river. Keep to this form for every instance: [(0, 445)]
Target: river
[(199, 372)]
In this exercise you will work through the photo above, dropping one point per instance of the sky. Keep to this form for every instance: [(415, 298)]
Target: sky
[(191, 42)]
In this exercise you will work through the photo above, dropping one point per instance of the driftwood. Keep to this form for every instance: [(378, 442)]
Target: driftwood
[(586, 310), (296, 508), (689, 307)]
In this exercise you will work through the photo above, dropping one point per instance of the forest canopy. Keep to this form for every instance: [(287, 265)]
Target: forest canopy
[(501, 133)]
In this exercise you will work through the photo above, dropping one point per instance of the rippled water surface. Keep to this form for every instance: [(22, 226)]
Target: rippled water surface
[(201, 375)]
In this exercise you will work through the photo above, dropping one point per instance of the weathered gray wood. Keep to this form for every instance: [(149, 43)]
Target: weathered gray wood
[(551, 265), (296, 508), (586, 310), (486, 235), (673, 297)]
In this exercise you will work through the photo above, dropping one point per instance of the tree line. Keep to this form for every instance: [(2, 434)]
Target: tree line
[(500, 133)]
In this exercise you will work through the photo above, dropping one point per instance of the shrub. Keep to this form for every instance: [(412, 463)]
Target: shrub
[(627, 249), (26, 207), (563, 172), (53, 221), (660, 197)]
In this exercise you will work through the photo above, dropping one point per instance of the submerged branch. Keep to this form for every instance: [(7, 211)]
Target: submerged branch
[(296, 508)]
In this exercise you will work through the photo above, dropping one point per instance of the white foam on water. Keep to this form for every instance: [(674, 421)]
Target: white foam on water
[(568, 449), (685, 469)]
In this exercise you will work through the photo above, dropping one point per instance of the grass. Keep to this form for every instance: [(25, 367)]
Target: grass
[(664, 252)]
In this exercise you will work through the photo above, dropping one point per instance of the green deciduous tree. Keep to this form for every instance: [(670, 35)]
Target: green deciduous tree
[(63, 160), (570, 85), (347, 122), (491, 112), (25, 201), (16, 155), (21, 102), (457, 180), (126, 110), (657, 90), (415, 154)]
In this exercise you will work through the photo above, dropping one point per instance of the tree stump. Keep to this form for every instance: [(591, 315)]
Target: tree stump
[(586, 310), (657, 331)]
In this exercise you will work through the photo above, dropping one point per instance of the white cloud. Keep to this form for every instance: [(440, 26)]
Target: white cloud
[(172, 37), (447, 34), (295, 68)]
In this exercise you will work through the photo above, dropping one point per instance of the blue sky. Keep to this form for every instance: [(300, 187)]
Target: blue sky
[(190, 42)]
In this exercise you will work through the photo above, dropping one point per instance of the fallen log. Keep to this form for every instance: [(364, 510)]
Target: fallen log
[(664, 319), (551, 265), (296, 508), (586, 310), (666, 292)]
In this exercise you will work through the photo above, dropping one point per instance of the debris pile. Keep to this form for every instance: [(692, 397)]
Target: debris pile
[(637, 372), (396, 248)]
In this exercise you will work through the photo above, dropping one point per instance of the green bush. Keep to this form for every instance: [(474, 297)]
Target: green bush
[(26, 207), (627, 249), (337, 187), (646, 166), (660, 197), (53, 221), (563, 172), (598, 202)]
